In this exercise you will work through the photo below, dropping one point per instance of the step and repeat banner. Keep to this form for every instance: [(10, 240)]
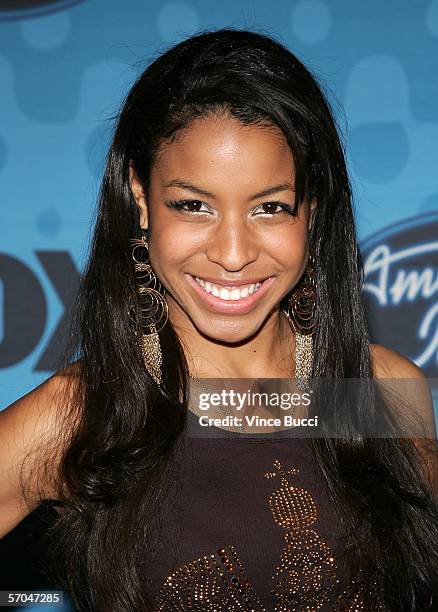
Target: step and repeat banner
[(65, 66)]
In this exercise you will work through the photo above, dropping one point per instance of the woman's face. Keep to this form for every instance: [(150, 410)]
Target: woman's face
[(220, 240)]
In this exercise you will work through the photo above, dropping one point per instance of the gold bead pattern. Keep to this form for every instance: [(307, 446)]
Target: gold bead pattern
[(307, 570), (303, 356), (303, 581), (212, 583), (151, 350)]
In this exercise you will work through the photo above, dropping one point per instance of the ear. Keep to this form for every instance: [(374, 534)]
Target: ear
[(312, 213), (139, 196)]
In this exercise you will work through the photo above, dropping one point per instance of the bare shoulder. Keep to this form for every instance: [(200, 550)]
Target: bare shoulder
[(33, 433), (388, 363), (405, 377)]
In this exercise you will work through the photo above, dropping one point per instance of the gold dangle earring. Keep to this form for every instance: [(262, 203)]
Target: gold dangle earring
[(153, 307), (301, 312)]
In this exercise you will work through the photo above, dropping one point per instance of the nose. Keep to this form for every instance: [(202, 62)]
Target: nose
[(232, 245)]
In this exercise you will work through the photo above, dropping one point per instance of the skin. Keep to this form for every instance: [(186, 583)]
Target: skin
[(230, 235)]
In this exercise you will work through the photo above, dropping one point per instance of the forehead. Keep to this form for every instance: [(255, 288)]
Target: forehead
[(219, 152)]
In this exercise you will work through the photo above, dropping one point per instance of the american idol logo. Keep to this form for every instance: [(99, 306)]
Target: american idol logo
[(401, 289), (17, 9)]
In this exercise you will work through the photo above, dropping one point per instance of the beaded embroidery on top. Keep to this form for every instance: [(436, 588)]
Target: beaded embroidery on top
[(303, 580), (306, 574)]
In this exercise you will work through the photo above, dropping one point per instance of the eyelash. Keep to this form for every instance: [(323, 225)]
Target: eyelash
[(180, 204)]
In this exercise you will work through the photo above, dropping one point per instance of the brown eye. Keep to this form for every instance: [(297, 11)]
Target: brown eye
[(188, 206), (273, 208), (193, 205)]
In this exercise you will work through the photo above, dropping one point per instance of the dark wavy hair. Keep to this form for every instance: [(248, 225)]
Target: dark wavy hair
[(125, 426)]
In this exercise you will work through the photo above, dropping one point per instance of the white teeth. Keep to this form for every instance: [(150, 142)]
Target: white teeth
[(228, 294)]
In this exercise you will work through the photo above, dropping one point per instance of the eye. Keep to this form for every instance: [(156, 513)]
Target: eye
[(274, 208), (189, 206)]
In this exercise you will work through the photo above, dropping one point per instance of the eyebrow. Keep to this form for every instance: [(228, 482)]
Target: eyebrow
[(208, 194)]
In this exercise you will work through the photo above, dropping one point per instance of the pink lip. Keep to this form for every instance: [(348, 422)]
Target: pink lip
[(230, 306)]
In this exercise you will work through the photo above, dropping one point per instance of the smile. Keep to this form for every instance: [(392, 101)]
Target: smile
[(235, 298), (236, 293)]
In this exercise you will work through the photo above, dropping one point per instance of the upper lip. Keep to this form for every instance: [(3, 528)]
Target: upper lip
[(231, 283)]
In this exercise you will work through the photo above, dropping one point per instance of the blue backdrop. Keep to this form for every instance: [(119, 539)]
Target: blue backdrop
[(64, 67)]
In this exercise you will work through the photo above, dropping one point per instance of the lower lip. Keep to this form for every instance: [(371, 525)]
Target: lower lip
[(231, 306)]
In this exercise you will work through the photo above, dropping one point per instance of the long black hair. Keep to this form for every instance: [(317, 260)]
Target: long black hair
[(126, 426)]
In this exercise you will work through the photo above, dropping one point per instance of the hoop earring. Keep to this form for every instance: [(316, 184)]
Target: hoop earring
[(153, 307), (301, 311)]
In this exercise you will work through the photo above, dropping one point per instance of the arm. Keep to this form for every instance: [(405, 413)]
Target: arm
[(31, 439)]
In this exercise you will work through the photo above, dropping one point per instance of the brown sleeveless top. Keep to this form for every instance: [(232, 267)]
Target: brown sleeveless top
[(246, 523)]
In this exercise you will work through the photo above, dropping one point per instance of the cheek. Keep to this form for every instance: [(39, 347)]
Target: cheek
[(169, 249), (287, 245)]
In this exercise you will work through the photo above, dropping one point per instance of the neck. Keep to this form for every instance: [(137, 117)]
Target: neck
[(267, 354)]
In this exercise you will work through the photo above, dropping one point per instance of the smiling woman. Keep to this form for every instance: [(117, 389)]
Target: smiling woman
[(226, 261), (225, 248)]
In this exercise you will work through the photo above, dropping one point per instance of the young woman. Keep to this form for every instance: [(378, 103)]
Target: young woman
[(224, 248)]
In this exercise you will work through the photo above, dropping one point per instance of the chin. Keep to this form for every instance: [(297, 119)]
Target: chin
[(227, 330)]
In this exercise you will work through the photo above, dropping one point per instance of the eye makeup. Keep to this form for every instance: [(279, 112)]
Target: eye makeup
[(183, 205)]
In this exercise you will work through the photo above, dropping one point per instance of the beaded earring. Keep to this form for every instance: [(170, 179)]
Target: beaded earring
[(301, 312), (153, 307)]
